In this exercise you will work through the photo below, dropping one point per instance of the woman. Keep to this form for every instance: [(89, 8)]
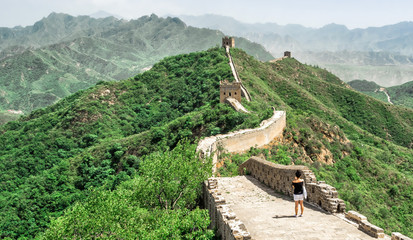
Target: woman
[(298, 193)]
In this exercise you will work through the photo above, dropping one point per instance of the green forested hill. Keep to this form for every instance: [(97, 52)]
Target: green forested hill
[(368, 142), (402, 95), (57, 155), (67, 54), (99, 146), (399, 95)]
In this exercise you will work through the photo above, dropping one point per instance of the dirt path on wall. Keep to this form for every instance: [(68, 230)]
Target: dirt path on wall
[(268, 215)]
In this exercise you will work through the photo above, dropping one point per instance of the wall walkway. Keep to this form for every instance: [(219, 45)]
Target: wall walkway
[(270, 215), (279, 178), (243, 140), (251, 207), (244, 91)]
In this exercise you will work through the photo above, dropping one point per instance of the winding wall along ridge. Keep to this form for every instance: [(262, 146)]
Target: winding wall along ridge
[(244, 91), (243, 140)]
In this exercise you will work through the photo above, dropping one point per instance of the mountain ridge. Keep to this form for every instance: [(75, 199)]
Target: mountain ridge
[(95, 139), (309, 35), (35, 77), (327, 46)]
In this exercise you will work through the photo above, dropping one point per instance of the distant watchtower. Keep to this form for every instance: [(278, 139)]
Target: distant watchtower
[(228, 41), (229, 89), (287, 54)]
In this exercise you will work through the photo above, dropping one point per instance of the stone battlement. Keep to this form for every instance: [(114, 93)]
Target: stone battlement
[(229, 89), (223, 219), (279, 178), (228, 42), (243, 140)]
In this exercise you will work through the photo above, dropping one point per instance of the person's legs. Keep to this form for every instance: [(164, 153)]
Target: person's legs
[(296, 208), (302, 207)]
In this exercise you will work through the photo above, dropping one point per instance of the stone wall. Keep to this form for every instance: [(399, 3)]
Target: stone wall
[(365, 225), (287, 54), (244, 91), (223, 219), (372, 230), (228, 41), (243, 140), (227, 89), (399, 236), (279, 178), (236, 105)]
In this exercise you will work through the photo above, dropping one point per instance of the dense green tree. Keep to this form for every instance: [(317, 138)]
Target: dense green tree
[(159, 203)]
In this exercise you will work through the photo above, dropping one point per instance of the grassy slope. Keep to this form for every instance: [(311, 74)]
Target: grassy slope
[(372, 172), (401, 95), (54, 156), (51, 158)]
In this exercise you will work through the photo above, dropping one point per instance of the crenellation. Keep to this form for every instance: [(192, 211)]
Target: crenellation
[(223, 219), (399, 236), (279, 177), (371, 229), (243, 140), (229, 89), (228, 41)]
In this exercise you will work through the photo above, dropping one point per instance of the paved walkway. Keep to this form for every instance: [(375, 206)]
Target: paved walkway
[(268, 215)]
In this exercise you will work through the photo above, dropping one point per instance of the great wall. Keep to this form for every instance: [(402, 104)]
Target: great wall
[(259, 205)]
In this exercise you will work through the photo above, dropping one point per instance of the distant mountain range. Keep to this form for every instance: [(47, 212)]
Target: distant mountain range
[(61, 54), (333, 37), (380, 54)]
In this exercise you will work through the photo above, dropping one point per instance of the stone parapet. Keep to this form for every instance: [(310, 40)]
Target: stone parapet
[(243, 140), (223, 219), (236, 105), (364, 225), (371, 229), (279, 178), (399, 236), (355, 217), (325, 196)]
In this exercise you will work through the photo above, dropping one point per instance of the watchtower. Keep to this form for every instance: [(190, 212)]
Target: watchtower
[(287, 54), (228, 41), (229, 89)]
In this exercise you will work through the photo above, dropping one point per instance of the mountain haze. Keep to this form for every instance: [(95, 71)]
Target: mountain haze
[(332, 37), (379, 54), (62, 54)]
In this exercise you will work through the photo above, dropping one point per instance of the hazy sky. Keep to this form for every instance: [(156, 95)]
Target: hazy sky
[(310, 13)]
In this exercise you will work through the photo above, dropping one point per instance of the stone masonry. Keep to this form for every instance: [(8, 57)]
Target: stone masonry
[(228, 41), (223, 219), (372, 230), (244, 91), (279, 178), (399, 236), (243, 140), (229, 89)]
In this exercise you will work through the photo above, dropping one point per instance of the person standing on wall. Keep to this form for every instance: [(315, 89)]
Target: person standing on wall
[(298, 186)]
